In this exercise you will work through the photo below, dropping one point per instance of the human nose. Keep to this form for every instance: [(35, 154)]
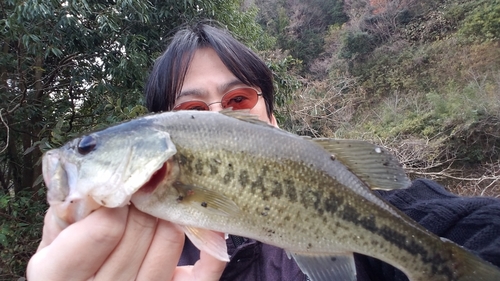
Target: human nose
[(215, 106)]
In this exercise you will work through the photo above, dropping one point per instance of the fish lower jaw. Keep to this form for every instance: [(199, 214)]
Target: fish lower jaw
[(72, 210)]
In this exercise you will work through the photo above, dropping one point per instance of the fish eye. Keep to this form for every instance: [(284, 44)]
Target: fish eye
[(86, 144)]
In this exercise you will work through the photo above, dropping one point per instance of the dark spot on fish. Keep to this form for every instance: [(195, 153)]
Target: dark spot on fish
[(258, 183), (243, 178), (277, 191), (264, 170), (192, 116), (71, 201), (228, 177), (332, 202), (287, 218), (204, 204), (186, 162), (416, 249), (350, 214), (399, 240), (332, 157), (386, 163), (180, 198), (103, 202), (309, 246), (333, 259), (369, 222), (214, 169), (290, 190), (86, 145), (264, 214), (267, 208), (199, 167), (310, 198), (182, 159)]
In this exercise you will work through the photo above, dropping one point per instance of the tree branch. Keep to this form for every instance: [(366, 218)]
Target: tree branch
[(8, 133)]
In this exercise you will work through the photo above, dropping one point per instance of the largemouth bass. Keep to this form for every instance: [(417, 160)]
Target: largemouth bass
[(228, 172)]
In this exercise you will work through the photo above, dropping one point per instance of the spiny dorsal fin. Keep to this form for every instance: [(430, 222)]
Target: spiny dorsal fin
[(373, 164), (244, 115)]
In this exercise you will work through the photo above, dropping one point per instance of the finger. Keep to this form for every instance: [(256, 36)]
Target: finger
[(125, 261), (80, 249), (207, 268), (164, 253), (51, 230)]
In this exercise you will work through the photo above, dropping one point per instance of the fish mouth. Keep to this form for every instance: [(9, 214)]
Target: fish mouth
[(68, 205), (156, 179), (73, 210)]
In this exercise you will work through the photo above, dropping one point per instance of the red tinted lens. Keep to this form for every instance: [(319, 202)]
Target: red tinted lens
[(243, 98), (191, 105)]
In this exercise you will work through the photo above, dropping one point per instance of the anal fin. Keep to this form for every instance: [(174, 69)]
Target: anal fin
[(327, 267), (208, 241)]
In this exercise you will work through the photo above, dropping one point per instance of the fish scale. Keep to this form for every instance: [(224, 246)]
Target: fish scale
[(231, 173)]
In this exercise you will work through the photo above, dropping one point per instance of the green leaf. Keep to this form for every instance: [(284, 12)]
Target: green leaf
[(56, 51), (38, 181)]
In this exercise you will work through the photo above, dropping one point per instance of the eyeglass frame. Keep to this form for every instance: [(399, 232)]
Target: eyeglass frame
[(259, 94)]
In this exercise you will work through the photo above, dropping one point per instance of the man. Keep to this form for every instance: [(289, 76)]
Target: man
[(205, 68)]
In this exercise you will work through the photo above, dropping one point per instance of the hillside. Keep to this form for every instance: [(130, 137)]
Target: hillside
[(420, 77)]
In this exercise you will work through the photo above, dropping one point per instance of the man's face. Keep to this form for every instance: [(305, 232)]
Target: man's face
[(208, 79)]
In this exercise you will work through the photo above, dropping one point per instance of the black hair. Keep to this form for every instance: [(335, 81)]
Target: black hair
[(165, 80)]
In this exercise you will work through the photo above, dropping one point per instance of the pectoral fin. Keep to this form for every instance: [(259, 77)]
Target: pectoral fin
[(208, 241), (327, 268), (206, 200), (373, 164)]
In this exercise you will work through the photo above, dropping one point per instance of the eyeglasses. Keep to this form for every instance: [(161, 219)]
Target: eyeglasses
[(241, 98)]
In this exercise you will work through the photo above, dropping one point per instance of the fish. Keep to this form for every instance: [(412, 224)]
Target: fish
[(229, 172)]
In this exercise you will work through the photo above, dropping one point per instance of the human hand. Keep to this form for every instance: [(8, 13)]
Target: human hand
[(116, 244)]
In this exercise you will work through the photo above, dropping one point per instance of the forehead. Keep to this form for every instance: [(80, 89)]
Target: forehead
[(207, 74), (200, 91)]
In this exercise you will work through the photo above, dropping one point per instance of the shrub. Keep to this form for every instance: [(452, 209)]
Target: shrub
[(483, 23), (355, 44)]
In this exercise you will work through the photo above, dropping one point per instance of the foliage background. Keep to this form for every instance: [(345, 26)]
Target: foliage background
[(419, 77)]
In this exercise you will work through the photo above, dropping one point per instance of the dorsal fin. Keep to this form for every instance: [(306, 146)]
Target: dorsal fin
[(373, 164), (244, 115)]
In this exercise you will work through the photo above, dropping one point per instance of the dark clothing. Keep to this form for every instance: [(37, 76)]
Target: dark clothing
[(473, 222)]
